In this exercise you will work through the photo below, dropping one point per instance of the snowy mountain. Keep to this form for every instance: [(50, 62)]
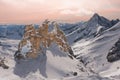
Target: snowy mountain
[(93, 27), (69, 28), (17, 31), (91, 42), (93, 52), (99, 20), (11, 31), (52, 65)]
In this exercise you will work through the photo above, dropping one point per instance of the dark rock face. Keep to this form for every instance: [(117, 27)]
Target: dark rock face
[(2, 63), (114, 53), (113, 22), (18, 56), (75, 73)]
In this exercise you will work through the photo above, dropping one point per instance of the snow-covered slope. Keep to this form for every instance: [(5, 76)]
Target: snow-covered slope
[(91, 42), (54, 65), (93, 52)]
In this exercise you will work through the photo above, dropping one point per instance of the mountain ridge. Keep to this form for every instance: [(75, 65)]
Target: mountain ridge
[(90, 42)]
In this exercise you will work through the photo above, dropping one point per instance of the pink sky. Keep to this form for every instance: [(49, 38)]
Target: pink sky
[(36, 11)]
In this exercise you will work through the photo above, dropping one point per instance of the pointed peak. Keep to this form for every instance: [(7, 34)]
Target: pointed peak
[(97, 19), (96, 15)]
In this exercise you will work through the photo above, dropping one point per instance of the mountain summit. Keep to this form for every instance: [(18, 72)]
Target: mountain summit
[(99, 20), (102, 21), (91, 28)]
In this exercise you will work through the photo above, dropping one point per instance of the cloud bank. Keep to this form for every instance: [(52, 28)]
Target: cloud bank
[(35, 11)]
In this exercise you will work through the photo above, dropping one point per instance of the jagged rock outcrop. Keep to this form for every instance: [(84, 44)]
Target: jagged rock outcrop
[(34, 40), (2, 63), (114, 53)]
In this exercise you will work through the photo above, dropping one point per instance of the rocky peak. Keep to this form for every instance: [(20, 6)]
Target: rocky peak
[(35, 40), (96, 19)]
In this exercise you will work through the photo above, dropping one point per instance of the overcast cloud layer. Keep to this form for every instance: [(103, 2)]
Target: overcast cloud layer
[(35, 11)]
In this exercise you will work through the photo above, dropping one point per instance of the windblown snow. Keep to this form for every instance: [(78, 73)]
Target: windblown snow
[(52, 65), (94, 51)]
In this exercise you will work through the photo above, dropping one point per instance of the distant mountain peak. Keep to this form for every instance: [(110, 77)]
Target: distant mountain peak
[(96, 15), (99, 20)]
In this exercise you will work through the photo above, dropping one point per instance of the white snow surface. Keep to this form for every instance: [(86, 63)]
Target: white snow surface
[(56, 65), (94, 51), (51, 65)]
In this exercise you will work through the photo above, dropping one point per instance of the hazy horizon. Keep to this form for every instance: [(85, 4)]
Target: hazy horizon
[(36, 11)]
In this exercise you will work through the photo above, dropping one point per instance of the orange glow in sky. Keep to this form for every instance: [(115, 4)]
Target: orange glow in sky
[(36, 11)]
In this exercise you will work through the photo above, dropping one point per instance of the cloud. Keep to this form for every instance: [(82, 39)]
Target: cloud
[(68, 10), (76, 12)]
